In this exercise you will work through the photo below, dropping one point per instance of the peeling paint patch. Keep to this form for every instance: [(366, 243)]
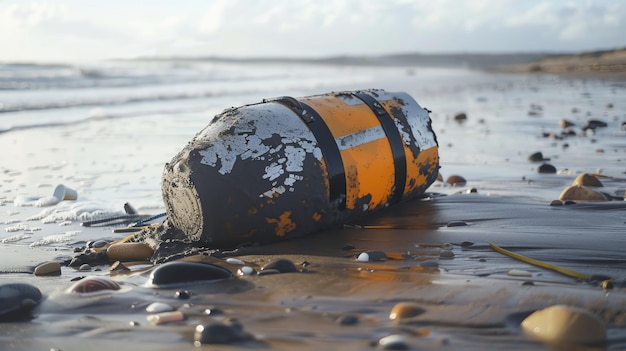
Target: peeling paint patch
[(284, 224), (359, 138)]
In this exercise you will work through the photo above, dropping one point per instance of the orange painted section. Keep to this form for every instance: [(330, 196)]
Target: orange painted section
[(284, 224), (340, 118)]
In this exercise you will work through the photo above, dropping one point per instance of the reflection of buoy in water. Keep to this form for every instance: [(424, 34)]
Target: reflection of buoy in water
[(288, 167)]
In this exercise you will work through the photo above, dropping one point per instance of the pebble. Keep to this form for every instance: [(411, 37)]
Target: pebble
[(218, 333), (556, 203), (456, 224), (158, 307), (129, 252), (17, 301), (93, 284), (404, 310), (446, 254), (429, 264), (460, 117), (118, 267), (282, 265), (236, 261), (537, 157), (372, 256), (519, 273), (246, 270), (182, 294), (581, 193), (347, 319), (180, 272), (587, 179), (85, 267), (456, 180), (561, 323), (48, 268), (565, 123), (166, 317), (594, 124), (546, 168), (393, 342)]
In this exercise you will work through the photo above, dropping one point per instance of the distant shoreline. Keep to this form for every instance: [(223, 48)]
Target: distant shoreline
[(604, 64)]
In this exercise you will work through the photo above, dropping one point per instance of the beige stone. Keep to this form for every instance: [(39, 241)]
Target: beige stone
[(48, 268), (129, 251), (587, 179), (456, 180), (581, 193), (561, 323), (405, 310)]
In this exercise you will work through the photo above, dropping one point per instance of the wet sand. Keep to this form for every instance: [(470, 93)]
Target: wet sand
[(437, 247)]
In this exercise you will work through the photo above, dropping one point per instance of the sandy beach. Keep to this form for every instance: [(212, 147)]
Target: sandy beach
[(433, 253)]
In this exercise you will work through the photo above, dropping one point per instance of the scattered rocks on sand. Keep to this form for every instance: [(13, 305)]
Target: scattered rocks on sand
[(180, 272), (581, 193), (404, 310), (456, 180), (93, 284), (17, 301), (587, 179), (546, 168), (560, 323), (48, 268), (129, 252)]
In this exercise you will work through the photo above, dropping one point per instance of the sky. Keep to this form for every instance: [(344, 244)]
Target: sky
[(79, 30)]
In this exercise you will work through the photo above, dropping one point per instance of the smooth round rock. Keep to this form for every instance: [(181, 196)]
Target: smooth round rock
[(372, 256), (581, 193), (460, 117), (587, 179), (180, 272), (561, 323), (347, 319), (158, 307), (519, 273), (85, 267), (129, 252), (282, 265), (17, 301), (429, 264), (393, 342), (446, 254), (246, 270), (48, 268), (236, 261), (565, 123), (456, 180), (404, 310), (536, 157), (546, 168), (217, 333), (93, 284)]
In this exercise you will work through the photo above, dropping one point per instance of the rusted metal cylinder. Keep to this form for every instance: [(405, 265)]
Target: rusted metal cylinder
[(288, 167)]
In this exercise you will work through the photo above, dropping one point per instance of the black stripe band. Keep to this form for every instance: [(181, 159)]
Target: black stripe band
[(326, 143), (395, 142)]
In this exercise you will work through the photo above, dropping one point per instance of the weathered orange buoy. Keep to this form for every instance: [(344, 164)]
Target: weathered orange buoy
[(288, 167)]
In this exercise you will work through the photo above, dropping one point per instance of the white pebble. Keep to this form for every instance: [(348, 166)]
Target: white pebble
[(392, 339), (232, 260), (159, 307), (519, 273), (246, 270)]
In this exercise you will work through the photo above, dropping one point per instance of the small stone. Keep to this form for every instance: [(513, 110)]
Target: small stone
[(282, 265), (607, 284), (17, 301), (561, 323), (48, 268), (372, 256), (519, 273), (537, 157), (456, 224), (556, 203), (181, 272), (182, 294), (581, 193), (594, 124), (166, 317), (565, 123), (217, 333), (158, 307), (404, 310), (246, 270), (587, 179), (446, 254), (129, 252), (85, 267), (236, 261), (347, 319), (460, 117), (456, 180), (93, 284), (393, 342), (118, 267), (546, 168)]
